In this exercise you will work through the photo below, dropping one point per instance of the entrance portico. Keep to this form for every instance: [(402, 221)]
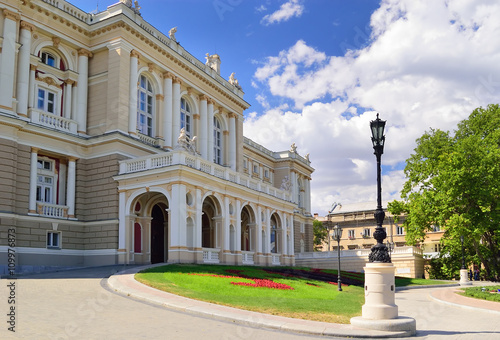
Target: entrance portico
[(179, 208)]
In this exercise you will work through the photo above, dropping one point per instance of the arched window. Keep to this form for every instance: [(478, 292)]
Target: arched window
[(145, 107), (274, 235), (217, 142), (186, 116), (49, 87)]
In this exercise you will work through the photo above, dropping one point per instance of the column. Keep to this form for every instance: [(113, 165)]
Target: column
[(307, 194), (23, 68), (238, 227), (291, 249), (68, 101), (210, 131), (8, 58), (33, 180), (197, 222), (83, 75), (132, 102), (259, 248), (284, 240), (226, 223), (71, 187), (31, 87), (158, 126), (176, 109), (295, 186), (203, 127), (232, 141), (268, 230), (121, 220), (167, 110)]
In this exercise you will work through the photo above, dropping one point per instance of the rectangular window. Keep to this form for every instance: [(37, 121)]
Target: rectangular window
[(266, 173), (436, 228), (302, 228), (46, 101), (351, 234), (366, 232), (53, 239), (255, 169), (245, 164), (399, 230), (48, 59)]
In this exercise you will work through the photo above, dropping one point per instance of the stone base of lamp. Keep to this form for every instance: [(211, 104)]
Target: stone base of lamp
[(380, 311), (464, 278)]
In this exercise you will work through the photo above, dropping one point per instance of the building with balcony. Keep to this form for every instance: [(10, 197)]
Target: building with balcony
[(118, 146)]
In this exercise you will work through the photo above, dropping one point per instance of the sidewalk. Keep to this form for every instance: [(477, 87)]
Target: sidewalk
[(451, 297)]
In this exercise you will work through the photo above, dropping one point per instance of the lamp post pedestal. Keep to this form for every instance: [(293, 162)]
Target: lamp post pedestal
[(380, 311), (464, 278)]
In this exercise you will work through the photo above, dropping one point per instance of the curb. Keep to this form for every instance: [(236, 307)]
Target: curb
[(463, 306), (124, 283)]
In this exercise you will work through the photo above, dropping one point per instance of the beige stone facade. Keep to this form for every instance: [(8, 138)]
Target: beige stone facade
[(118, 146)]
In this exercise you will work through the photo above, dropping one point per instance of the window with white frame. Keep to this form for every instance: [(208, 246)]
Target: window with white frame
[(217, 142), (436, 228), (49, 59), (53, 239), (351, 234), (46, 100), (145, 104), (256, 168), (399, 230), (245, 164), (186, 116), (45, 187), (366, 232), (302, 228), (266, 173)]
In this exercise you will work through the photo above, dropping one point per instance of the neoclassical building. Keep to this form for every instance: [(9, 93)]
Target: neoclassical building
[(118, 146)]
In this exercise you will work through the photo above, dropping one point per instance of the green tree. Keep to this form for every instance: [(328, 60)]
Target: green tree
[(453, 181), (320, 234)]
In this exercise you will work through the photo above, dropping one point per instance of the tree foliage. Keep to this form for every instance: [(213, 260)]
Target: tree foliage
[(320, 234), (453, 181)]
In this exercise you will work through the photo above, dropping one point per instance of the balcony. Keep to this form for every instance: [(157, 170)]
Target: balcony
[(52, 121), (52, 210), (211, 255), (180, 157), (247, 257)]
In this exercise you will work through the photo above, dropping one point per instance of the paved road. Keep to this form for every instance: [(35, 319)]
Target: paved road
[(79, 305)]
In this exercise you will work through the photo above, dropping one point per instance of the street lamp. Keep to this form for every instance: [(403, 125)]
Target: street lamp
[(463, 258), (337, 235), (379, 251)]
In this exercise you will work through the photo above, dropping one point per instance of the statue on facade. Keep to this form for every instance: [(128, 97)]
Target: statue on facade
[(307, 158), (127, 3), (233, 81), (293, 148), (286, 184), (171, 33), (186, 143), (137, 7)]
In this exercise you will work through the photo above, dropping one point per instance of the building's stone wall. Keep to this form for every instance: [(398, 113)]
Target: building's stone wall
[(96, 190), (14, 176)]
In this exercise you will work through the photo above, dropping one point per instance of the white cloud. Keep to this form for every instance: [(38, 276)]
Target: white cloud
[(429, 64), (288, 10)]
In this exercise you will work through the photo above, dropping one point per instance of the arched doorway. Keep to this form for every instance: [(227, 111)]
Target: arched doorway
[(247, 229), (158, 234)]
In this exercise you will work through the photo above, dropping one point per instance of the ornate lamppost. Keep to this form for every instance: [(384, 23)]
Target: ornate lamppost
[(380, 311), (337, 235), (379, 252)]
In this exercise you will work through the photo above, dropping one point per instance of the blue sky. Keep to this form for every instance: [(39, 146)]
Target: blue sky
[(316, 72)]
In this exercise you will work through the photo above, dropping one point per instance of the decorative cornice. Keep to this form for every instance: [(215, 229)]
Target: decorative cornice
[(196, 116), (70, 82), (203, 97), (135, 54), (177, 80), (27, 26), (168, 75), (33, 67), (49, 80), (11, 15), (34, 150), (84, 52), (160, 97)]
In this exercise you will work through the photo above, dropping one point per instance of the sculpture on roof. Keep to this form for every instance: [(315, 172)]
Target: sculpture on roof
[(293, 148), (137, 7), (171, 33), (307, 158), (127, 3)]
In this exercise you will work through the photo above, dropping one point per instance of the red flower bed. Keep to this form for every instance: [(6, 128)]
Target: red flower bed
[(264, 283)]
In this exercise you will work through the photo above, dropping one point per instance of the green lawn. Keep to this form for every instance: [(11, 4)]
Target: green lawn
[(303, 293), (491, 293), (309, 299)]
